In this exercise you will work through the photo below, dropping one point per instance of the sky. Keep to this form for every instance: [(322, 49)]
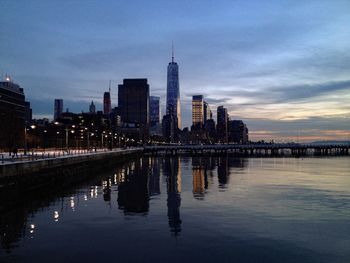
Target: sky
[(283, 67)]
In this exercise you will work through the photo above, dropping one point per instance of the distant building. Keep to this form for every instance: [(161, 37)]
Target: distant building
[(207, 112), (222, 124), (173, 91), (12, 114), (107, 105), (170, 127), (210, 129), (58, 108), (92, 108), (197, 111), (28, 113), (115, 118), (133, 103), (154, 106), (238, 132)]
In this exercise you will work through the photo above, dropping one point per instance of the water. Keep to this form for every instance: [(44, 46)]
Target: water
[(182, 209)]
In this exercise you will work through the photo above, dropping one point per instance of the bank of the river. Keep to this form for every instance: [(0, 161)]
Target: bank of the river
[(18, 178)]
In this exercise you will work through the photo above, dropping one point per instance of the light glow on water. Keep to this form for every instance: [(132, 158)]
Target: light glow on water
[(194, 209)]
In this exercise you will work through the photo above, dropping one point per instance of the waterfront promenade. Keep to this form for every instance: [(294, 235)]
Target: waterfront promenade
[(33, 163)]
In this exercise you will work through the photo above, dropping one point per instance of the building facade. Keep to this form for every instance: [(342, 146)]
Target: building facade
[(12, 115), (238, 132), (222, 124), (107, 104), (170, 127), (197, 111), (133, 105), (58, 108), (173, 90), (154, 105)]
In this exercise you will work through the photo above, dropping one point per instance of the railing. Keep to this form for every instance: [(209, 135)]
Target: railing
[(47, 154)]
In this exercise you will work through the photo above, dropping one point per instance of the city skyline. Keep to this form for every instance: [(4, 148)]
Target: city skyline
[(283, 70)]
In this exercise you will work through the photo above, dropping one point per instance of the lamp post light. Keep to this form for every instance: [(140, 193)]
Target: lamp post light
[(67, 139), (58, 133), (25, 138), (88, 140), (102, 135)]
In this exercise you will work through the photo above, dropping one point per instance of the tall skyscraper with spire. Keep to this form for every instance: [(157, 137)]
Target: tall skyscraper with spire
[(173, 90)]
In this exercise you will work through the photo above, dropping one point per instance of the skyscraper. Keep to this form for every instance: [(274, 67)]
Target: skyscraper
[(107, 106), (154, 110), (92, 108), (173, 90), (197, 111), (133, 101), (221, 127), (58, 110), (207, 112)]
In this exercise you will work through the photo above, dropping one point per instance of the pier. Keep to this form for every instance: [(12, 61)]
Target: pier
[(289, 149)]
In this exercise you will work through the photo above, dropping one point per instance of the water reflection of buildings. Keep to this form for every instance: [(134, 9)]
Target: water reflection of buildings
[(154, 177), (172, 171), (224, 164), (202, 172), (133, 189), (200, 181)]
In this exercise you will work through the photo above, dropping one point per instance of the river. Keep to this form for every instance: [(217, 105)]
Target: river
[(190, 209)]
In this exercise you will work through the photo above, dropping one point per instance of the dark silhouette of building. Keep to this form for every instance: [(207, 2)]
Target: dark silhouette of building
[(169, 125), (154, 110), (238, 132), (92, 108), (12, 114), (133, 101), (28, 113), (222, 124), (116, 120), (173, 91), (210, 129), (58, 109), (107, 104)]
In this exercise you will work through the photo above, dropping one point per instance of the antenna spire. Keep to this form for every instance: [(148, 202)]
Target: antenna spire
[(109, 87), (172, 51)]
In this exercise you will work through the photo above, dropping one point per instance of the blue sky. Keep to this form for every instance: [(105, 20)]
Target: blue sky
[(281, 66)]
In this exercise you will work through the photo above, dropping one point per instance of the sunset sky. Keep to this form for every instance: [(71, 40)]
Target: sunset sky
[(283, 67)]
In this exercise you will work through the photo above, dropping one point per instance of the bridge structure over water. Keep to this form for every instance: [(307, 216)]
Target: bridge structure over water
[(294, 149)]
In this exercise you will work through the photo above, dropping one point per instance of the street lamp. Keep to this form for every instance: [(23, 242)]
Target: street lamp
[(25, 138)]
